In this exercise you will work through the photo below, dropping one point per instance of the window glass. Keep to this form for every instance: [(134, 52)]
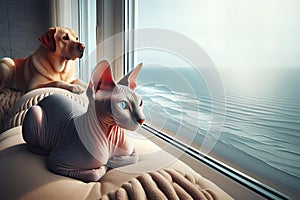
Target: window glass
[(254, 47)]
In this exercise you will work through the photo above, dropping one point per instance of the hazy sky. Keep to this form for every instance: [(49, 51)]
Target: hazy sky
[(235, 33)]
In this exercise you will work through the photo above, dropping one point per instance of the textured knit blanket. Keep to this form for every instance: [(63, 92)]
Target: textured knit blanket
[(164, 184), (7, 99), (14, 104)]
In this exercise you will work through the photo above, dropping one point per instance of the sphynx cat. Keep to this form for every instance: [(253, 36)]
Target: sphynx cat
[(82, 143)]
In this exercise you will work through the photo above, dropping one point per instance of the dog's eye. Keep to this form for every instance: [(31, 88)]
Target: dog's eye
[(66, 37), (77, 38)]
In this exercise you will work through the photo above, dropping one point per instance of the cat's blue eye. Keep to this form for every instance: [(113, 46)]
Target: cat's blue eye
[(123, 105)]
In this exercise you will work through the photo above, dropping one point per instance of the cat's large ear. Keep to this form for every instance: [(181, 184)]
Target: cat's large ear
[(130, 79), (102, 77)]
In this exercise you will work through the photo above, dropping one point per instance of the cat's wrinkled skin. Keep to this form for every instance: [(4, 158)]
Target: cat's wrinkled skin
[(81, 143)]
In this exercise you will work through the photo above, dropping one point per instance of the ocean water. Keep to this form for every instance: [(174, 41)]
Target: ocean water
[(261, 130)]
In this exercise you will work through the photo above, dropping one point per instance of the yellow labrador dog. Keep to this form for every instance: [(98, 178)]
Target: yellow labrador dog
[(51, 65)]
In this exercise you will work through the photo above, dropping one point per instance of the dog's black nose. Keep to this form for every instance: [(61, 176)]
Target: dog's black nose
[(81, 47)]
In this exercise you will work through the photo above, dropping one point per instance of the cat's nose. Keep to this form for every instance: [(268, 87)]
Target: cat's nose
[(141, 121)]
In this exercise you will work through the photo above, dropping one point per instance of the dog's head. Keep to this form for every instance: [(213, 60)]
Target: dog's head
[(63, 42)]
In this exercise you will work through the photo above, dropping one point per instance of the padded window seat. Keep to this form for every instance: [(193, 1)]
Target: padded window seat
[(24, 175)]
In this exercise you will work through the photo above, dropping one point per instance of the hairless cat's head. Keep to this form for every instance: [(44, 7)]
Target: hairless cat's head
[(116, 103)]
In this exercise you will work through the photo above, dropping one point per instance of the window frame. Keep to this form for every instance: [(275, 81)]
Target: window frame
[(114, 17), (86, 12), (263, 190), (110, 22)]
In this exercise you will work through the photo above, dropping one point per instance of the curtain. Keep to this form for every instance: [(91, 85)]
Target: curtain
[(64, 13), (81, 16)]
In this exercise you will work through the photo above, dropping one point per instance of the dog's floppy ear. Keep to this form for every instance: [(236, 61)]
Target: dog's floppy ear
[(101, 78), (130, 79), (48, 40)]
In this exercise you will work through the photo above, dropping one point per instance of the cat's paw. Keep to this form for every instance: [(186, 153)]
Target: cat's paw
[(119, 161), (98, 173), (87, 175)]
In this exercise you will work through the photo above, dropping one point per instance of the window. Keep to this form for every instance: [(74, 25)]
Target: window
[(221, 77), (196, 53)]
